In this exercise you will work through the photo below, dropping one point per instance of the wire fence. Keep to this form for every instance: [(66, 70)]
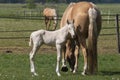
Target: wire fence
[(108, 33), (59, 18)]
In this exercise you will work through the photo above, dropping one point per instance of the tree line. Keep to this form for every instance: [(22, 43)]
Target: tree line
[(59, 1)]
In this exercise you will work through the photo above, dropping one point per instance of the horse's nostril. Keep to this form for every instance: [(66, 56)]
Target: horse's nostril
[(74, 36)]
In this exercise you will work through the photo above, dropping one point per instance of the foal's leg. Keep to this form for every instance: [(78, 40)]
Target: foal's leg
[(64, 66), (32, 54), (59, 50)]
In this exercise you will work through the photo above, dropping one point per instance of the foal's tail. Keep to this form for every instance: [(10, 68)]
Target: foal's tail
[(92, 40), (30, 41)]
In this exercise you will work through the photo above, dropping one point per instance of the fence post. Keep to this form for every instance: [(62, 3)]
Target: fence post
[(117, 27)]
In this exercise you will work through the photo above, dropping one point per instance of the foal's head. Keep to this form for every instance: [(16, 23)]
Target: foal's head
[(71, 28)]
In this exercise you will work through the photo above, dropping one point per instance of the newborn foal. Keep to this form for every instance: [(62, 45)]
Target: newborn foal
[(57, 38)]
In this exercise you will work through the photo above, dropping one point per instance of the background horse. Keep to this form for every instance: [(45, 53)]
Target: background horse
[(87, 25), (50, 14), (56, 38)]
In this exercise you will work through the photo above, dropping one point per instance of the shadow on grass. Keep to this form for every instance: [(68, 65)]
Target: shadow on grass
[(109, 73)]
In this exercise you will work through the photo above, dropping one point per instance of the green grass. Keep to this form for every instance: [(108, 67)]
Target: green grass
[(19, 25), (106, 8), (106, 44), (19, 9), (15, 66)]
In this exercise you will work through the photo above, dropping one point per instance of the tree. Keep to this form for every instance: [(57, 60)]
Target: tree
[(30, 4)]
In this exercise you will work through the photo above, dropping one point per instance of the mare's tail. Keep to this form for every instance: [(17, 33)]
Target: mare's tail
[(92, 41)]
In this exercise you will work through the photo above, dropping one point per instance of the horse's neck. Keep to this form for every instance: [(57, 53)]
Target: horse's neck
[(64, 30)]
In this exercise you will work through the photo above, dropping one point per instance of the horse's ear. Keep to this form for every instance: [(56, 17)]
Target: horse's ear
[(68, 21), (73, 20)]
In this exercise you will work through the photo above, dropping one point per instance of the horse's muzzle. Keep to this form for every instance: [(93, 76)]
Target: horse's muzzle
[(74, 36)]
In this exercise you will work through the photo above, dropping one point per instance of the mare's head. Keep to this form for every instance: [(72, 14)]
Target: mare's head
[(70, 53), (71, 28)]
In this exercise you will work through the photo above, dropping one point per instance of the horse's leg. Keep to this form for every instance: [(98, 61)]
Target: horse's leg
[(55, 22), (84, 51), (76, 58), (59, 50), (46, 22), (32, 54), (64, 66), (63, 57), (68, 55), (49, 22)]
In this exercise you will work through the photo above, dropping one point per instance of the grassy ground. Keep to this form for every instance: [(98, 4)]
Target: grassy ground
[(20, 9), (16, 67), (104, 41)]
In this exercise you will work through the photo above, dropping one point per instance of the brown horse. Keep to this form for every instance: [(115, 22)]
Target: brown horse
[(87, 23), (50, 14)]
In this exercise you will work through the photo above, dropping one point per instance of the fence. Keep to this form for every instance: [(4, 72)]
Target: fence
[(117, 29), (115, 19)]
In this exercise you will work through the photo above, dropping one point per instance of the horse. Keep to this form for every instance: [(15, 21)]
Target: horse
[(57, 38), (50, 14), (87, 24)]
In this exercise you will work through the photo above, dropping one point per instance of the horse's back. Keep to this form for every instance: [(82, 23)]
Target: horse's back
[(82, 7), (66, 15), (76, 11), (49, 12), (79, 12), (38, 33)]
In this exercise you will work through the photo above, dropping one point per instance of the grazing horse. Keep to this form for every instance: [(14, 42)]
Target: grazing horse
[(87, 24), (57, 38), (50, 14)]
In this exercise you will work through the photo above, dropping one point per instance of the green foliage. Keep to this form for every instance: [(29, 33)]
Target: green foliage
[(31, 4)]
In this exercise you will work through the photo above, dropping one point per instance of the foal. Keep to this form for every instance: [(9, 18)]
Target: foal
[(57, 38)]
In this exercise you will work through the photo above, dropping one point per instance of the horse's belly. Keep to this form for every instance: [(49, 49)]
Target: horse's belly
[(49, 39), (50, 43)]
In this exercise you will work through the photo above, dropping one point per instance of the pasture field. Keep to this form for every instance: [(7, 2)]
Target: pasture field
[(20, 9), (23, 28), (15, 66), (14, 57)]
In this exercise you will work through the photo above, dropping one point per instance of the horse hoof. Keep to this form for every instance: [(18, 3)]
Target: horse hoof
[(74, 72), (59, 75), (34, 74), (83, 73), (71, 70), (64, 69)]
